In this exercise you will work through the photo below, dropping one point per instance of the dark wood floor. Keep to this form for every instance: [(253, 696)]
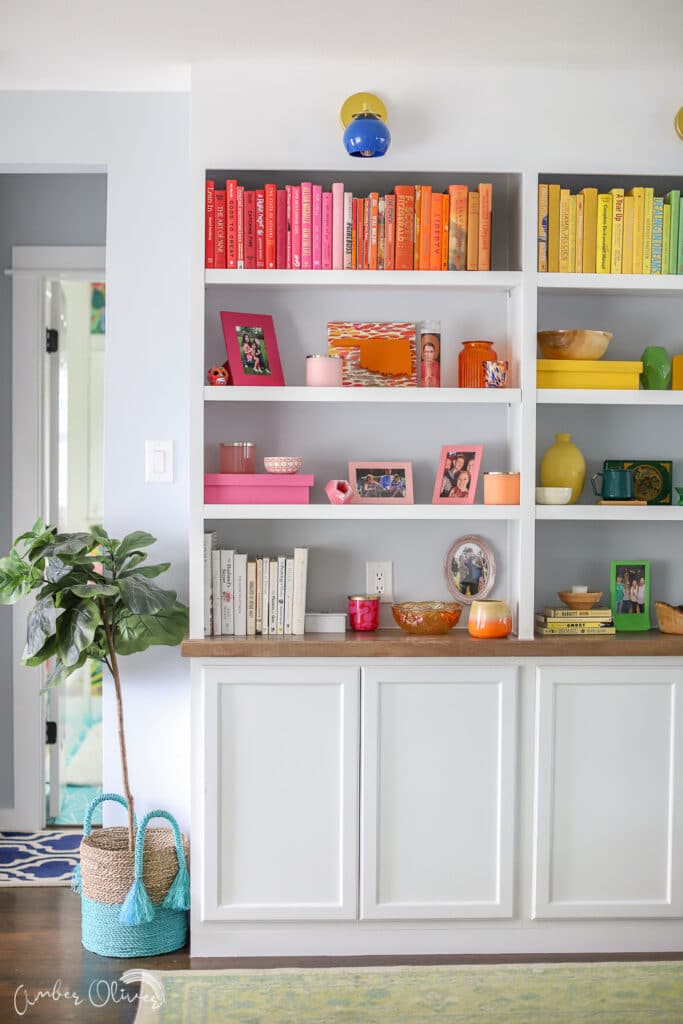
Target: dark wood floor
[(40, 947)]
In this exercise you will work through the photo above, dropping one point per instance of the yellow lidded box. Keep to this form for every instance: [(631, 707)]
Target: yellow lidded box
[(677, 373), (588, 373)]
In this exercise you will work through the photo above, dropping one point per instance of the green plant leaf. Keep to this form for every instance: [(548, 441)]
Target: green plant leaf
[(132, 541), (40, 625), (56, 570), (70, 544), (142, 597), (138, 632), (100, 534), (148, 571), (91, 590), (45, 652), (76, 630), (15, 578)]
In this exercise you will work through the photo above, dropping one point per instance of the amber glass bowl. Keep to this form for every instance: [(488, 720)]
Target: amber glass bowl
[(425, 618)]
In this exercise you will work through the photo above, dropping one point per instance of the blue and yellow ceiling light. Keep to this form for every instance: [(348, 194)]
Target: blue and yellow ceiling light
[(364, 118)]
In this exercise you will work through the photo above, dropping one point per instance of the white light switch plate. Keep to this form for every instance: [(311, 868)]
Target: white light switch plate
[(158, 462)]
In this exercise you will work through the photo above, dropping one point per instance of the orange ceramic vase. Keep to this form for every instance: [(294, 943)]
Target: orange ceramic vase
[(471, 363), (489, 619)]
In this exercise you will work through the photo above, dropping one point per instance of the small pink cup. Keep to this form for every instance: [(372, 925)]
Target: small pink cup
[(364, 612), (339, 491)]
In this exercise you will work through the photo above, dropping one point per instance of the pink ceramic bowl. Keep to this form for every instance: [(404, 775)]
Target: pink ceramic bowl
[(282, 463)]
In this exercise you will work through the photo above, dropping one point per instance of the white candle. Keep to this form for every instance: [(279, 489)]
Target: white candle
[(579, 590)]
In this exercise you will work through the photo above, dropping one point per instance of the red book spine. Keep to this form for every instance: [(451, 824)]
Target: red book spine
[(327, 231), (240, 227), (405, 226), (219, 228), (365, 220), (210, 226), (271, 226), (390, 233), (250, 231), (306, 225), (355, 234), (260, 221), (281, 232), (316, 227), (296, 227), (231, 224), (288, 198)]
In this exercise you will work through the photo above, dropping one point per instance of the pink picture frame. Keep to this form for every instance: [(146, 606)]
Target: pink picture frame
[(252, 350), (457, 474), (381, 483)]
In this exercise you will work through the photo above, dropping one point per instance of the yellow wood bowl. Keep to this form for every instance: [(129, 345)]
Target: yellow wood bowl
[(580, 344)]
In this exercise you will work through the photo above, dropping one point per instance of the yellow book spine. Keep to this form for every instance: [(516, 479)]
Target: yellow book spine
[(617, 229), (553, 229), (572, 234), (578, 251), (648, 211), (603, 245), (564, 230), (590, 221), (666, 239), (627, 249), (638, 196), (542, 228)]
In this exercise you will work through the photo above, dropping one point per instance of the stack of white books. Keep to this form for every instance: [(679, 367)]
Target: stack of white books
[(253, 596)]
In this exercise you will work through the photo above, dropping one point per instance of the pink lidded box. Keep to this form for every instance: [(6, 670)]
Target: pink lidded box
[(257, 488)]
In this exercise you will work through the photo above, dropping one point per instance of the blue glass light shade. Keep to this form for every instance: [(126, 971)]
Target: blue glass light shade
[(367, 136)]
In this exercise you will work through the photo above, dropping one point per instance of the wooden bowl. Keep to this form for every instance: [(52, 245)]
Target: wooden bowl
[(573, 344), (579, 602), (426, 618), (669, 617)]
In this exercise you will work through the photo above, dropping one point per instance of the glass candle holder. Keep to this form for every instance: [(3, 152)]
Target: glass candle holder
[(238, 457), (364, 612), (324, 371)]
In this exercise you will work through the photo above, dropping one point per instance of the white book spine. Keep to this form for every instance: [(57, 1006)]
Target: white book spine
[(281, 574), (227, 593), (272, 599), (300, 581), (251, 598), (240, 595), (209, 545), (266, 596), (259, 595), (216, 624), (289, 594)]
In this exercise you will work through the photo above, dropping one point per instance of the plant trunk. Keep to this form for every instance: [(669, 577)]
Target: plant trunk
[(121, 733)]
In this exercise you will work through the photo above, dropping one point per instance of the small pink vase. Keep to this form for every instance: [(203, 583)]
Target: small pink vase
[(339, 491)]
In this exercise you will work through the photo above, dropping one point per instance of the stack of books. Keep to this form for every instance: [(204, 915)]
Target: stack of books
[(615, 232), (302, 227), (567, 622), (246, 596)]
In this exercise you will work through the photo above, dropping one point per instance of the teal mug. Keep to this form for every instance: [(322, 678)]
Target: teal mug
[(617, 485)]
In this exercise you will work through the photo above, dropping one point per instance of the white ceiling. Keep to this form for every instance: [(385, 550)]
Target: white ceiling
[(149, 44)]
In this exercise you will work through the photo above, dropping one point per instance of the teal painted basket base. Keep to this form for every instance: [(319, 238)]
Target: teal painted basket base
[(103, 933)]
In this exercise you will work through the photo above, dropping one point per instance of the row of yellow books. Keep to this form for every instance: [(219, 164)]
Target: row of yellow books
[(615, 232), (568, 622)]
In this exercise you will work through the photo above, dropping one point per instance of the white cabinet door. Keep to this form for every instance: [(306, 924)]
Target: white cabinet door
[(607, 830), (281, 793), (438, 792)]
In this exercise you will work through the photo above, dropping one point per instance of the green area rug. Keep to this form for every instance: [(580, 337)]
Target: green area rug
[(604, 993)]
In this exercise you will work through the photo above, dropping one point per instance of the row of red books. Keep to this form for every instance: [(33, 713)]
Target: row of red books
[(302, 227)]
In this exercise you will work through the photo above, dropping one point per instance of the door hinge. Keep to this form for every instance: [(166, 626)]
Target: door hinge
[(51, 340), (50, 733)]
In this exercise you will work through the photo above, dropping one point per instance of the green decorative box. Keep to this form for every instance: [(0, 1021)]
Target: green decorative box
[(651, 480)]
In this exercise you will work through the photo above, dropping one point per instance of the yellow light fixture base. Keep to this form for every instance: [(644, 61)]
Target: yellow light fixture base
[(678, 121), (362, 103)]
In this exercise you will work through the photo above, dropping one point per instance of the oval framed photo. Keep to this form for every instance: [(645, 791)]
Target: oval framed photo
[(470, 569)]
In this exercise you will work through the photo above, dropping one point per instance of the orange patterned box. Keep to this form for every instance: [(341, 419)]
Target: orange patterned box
[(375, 354)]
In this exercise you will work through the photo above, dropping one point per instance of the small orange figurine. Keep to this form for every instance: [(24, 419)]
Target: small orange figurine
[(219, 376)]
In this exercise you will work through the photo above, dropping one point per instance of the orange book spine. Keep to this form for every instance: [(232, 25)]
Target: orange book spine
[(416, 227), (435, 232), (473, 231), (485, 213), (390, 233), (457, 227), (271, 226), (373, 224), (405, 226), (425, 227), (445, 217)]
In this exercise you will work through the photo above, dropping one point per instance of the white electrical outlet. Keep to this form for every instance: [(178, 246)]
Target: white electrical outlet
[(379, 579)]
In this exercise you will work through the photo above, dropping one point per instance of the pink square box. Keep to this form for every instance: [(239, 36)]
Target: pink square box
[(257, 488)]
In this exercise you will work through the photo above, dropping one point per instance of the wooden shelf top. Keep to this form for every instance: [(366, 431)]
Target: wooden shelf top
[(392, 643)]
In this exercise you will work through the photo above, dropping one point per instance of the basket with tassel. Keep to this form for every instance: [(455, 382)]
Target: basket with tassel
[(669, 617), (133, 903)]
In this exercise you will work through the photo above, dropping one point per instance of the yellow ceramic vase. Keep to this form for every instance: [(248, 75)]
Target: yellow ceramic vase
[(563, 465)]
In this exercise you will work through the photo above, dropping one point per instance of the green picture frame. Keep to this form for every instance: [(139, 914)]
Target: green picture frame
[(629, 597), (652, 479)]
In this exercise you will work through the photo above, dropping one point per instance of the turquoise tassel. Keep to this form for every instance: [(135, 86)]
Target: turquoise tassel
[(76, 880), (137, 907), (178, 896)]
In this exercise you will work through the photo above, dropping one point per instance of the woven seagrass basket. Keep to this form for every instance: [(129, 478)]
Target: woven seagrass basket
[(133, 903), (669, 617)]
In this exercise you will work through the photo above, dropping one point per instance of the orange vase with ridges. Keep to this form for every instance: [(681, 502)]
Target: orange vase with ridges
[(471, 363)]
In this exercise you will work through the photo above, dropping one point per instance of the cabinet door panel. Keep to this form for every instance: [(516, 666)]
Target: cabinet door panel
[(283, 819), (608, 790), (438, 792)]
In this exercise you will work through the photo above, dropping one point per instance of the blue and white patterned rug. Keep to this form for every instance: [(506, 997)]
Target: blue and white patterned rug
[(38, 858)]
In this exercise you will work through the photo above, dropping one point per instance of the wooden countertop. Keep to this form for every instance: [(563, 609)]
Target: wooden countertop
[(392, 643)]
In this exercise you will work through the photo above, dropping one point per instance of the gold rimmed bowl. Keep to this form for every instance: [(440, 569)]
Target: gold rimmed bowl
[(426, 618)]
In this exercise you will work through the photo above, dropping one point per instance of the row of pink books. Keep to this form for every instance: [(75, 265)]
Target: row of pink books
[(248, 596), (302, 227)]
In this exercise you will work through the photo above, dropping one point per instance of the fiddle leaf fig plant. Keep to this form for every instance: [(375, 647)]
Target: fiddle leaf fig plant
[(94, 599)]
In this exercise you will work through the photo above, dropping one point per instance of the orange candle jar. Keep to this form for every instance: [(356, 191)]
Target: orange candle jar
[(471, 361), (489, 619), (501, 488)]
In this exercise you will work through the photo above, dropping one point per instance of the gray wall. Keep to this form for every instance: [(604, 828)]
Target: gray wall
[(35, 209)]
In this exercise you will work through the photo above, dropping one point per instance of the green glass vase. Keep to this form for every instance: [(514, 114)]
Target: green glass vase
[(656, 375)]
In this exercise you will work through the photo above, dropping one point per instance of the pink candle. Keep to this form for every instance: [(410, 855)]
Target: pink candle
[(324, 371), (364, 612)]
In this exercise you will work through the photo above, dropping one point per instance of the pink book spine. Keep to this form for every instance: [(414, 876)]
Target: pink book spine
[(317, 227), (337, 225), (240, 227), (288, 200), (328, 213), (281, 233), (296, 227), (306, 225), (347, 222)]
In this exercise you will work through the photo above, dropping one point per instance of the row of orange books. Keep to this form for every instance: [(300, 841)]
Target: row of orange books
[(615, 232)]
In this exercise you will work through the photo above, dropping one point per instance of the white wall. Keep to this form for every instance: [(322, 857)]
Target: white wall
[(142, 141)]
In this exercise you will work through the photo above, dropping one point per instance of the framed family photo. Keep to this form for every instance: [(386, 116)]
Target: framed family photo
[(251, 346), (470, 569), (630, 594), (457, 475), (382, 483)]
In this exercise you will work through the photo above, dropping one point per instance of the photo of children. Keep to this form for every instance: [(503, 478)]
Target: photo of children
[(630, 589), (372, 483), (252, 348), (456, 479), (470, 569)]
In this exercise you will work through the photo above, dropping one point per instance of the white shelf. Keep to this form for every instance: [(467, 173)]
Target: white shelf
[(344, 513), (616, 513), (490, 280), (608, 284), (428, 396), (595, 396)]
